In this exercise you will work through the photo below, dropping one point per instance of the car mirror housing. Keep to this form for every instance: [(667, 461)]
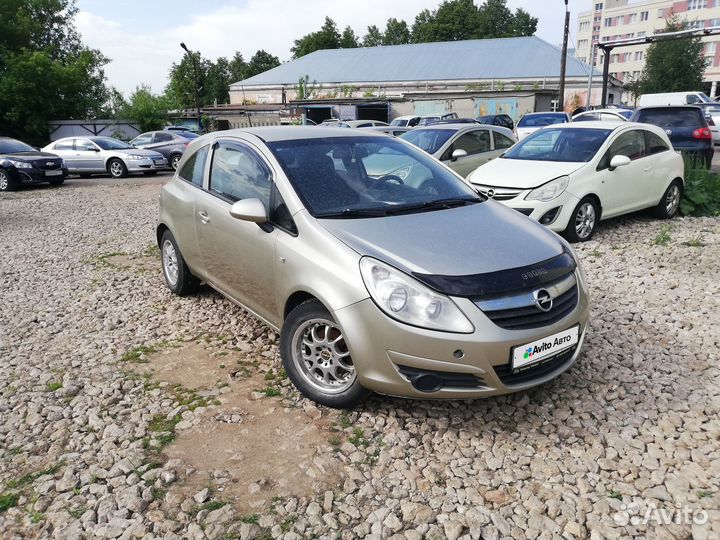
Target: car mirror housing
[(619, 161), (458, 154), (252, 210)]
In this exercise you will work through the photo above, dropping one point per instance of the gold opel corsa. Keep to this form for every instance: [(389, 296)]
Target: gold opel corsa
[(383, 269)]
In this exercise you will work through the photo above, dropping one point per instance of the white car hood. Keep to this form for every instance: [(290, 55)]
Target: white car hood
[(520, 173)]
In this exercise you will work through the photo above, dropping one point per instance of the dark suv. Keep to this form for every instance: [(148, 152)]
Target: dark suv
[(21, 164), (502, 120), (171, 144), (686, 126)]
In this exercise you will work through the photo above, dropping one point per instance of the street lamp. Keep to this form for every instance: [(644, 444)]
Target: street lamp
[(197, 90)]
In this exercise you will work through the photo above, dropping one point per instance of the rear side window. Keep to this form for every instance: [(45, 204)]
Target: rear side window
[(163, 137), (193, 169), (474, 142), (237, 173), (84, 145), (145, 138), (679, 117), (629, 144), (501, 141), (654, 143)]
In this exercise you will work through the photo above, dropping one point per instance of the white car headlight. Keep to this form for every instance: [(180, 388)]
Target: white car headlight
[(409, 301), (20, 164), (137, 157), (549, 191)]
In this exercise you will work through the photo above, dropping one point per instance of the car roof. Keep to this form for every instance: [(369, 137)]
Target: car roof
[(559, 113), (603, 124), (289, 133)]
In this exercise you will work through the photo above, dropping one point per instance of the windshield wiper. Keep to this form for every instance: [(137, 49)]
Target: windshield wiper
[(353, 213), (440, 204)]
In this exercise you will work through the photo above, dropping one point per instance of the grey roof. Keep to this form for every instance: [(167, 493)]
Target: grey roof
[(505, 58)]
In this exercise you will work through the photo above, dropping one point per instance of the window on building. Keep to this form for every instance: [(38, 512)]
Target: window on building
[(716, 3), (710, 48), (582, 44), (714, 22), (638, 56), (641, 34), (627, 57), (644, 16), (696, 4), (632, 18), (695, 24), (661, 13), (598, 7), (607, 22), (585, 26)]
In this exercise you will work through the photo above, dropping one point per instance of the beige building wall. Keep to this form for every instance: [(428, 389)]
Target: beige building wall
[(610, 20)]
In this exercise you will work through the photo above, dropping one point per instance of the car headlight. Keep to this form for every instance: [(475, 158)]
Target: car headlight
[(549, 191), (20, 164), (407, 300), (137, 157)]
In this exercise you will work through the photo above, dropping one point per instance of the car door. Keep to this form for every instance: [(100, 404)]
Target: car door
[(501, 142), (88, 155), (624, 189), (661, 155), (162, 142), (238, 255), (66, 150), (479, 150)]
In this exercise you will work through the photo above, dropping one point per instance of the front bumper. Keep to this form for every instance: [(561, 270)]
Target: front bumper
[(383, 349), (36, 176), (149, 164)]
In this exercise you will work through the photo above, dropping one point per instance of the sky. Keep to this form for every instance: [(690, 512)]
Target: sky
[(142, 37)]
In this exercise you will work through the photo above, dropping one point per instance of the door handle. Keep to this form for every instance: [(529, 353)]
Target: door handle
[(204, 217)]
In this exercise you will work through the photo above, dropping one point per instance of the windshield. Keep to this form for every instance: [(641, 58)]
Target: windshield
[(540, 120), (625, 112), (402, 122), (671, 117), (429, 140), (111, 144), (11, 146), (576, 145), (367, 177)]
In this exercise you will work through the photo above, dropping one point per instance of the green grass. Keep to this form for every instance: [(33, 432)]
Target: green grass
[(695, 242), (663, 238), (213, 505), (36, 517), (701, 196), (271, 391), (151, 251), (27, 479), (344, 421), (138, 355), (8, 500), (615, 495), (77, 512), (250, 518), (358, 438), (288, 523), (54, 385), (704, 494)]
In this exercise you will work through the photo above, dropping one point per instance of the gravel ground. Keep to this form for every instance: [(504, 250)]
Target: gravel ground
[(618, 447)]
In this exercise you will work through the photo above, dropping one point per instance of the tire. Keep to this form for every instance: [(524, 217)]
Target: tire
[(583, 221), (669, 204), (174, 160), (177, 275), (150, 173), (56, 182), (309, 323), (6, 183), (117, 168)]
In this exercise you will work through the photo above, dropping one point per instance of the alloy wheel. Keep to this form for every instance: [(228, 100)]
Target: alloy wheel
[(170, 262), (174, 162), (672, 201), (4, 182), (585, 220), (116, 169), (321, 355)]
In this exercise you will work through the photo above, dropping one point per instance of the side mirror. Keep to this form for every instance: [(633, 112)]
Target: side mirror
[(252, 210), (458, 154), (619, 161)]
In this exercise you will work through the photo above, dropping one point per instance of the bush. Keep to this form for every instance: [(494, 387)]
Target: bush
[(701, 196)]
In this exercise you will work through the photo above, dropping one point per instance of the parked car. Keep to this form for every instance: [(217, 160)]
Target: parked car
[(603, 115), (686, 126), (672, 98), (371, 281), (462, 147), (181, 128), (21, 164), (502, 120), (571, 176), (395, 131), (405, 121), (712, 116), (428, 119), (362, 123), (95, 155), (170, 144), (452, 121), (531, 122)]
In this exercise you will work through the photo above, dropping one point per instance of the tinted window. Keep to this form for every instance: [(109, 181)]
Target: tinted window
[(145, 138), (111, 144), (193, 169), (163, 137), (429, 140), (654, 143), (630, 144), (365, 176), (501, 141), (587, 117), (556, 144), (677, 117), (540, 120), (187, 134), (84, 145), (279, 213), (237, 173), (399, 122), (8, 146), (64, 145), (474, 142)]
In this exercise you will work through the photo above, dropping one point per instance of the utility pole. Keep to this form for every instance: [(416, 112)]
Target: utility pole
[(590, 77), (197, 91), (563, 60)]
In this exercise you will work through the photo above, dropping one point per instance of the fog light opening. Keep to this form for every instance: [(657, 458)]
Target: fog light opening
[(459, 354), (427, 383), (550, 216)]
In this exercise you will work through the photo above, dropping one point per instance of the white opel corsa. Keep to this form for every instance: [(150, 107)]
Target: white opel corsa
[(570, 176)]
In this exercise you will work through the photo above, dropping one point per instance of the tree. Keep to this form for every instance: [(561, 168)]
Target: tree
[(260, 62), (237, 68), (348, 40), (180, 89), (145, 108), (396, 32), (217, 83), (46, 72), (523, 23), (675, 65), (373, 37), (327, 37)]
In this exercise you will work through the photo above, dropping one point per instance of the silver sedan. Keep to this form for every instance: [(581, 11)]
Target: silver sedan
[(96, 155)]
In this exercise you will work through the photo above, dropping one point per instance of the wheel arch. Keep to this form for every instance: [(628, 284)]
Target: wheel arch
[(159, 231), (597, 200), (297, 298)]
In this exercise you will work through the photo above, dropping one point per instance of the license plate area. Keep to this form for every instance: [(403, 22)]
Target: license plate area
[(53, 173), (529, 354)]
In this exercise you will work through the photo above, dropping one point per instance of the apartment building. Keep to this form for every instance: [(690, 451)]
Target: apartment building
[(610, 20)]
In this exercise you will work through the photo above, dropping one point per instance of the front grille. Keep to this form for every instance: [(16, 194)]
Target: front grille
[(498, 193), (534, 371), (50, 164), (449, 379), (520, 312)]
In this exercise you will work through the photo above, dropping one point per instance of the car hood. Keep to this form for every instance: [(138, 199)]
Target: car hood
[(520, 173), (475, 239), (28, 156)]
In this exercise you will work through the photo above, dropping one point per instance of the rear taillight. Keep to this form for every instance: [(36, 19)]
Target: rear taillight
[(702, 133)]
